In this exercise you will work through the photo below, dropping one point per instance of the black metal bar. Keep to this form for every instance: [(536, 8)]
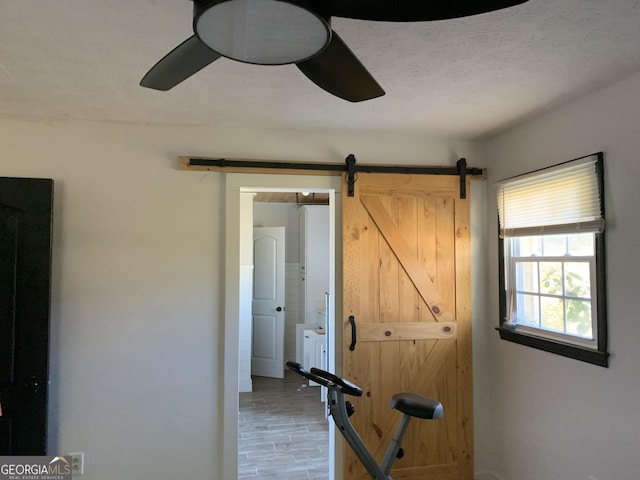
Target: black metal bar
[(221, 162), (462, 171), (331, 167), (351, 174), (415, 170)]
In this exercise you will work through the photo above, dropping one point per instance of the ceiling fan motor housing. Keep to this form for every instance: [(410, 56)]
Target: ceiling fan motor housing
[(263, 32)]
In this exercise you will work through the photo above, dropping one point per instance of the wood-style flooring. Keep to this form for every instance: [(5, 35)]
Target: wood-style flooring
[(282, 431)]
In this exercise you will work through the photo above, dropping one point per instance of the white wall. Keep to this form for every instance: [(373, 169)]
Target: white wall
[(556, 418), (281, 215), (135, 297), (138, 280)]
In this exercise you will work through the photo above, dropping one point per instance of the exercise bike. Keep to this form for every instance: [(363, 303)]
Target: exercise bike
[(410, 404)]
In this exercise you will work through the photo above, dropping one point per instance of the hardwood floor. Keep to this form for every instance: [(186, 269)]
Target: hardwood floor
[(282, 431)]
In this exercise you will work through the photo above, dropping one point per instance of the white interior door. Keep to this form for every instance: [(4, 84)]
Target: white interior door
[(267, 351)]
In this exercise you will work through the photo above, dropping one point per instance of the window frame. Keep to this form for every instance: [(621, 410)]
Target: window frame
[(555, 343)]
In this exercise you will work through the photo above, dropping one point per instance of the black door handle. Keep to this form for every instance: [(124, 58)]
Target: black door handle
[(352, 321), (278, 309)]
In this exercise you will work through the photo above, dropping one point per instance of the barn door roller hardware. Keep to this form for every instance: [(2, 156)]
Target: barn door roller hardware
[(350, 167), (460, 169)]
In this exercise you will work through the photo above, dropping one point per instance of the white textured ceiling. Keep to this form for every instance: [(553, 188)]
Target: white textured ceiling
[(468, 78)]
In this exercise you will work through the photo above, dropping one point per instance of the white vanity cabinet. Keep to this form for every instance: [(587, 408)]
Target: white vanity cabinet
[(315, 354)]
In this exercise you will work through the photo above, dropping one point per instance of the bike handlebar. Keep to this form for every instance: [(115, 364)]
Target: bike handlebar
[(326, 379)]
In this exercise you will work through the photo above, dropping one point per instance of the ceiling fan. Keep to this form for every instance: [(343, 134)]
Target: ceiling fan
[(279, 32)]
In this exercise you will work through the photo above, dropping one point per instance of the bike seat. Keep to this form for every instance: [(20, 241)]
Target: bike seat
[(417, 405)]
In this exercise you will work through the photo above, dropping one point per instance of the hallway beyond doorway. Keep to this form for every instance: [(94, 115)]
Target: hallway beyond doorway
[(282, 431)]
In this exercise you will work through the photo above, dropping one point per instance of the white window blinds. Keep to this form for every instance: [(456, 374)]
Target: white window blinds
[(565, 198)]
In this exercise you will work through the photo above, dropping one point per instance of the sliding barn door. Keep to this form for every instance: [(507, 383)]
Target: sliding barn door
[(406, 270)]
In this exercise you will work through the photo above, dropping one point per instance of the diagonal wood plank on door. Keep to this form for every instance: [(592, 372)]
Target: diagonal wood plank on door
[(423, 284), (426, 375), (420, 381)]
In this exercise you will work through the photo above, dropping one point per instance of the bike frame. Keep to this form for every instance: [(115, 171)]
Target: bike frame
[(338, 409), (409, 404)]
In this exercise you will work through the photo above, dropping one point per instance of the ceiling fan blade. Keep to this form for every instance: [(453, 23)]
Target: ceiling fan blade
[(179, 64), (338, 71), (414, 10)]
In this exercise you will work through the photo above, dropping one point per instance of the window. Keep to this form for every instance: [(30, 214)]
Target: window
[(552, 260)]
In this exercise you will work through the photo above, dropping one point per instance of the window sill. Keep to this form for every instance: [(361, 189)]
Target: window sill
[(594, 357)]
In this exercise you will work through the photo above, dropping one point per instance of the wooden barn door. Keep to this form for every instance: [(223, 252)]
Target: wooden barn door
[(406, 267)]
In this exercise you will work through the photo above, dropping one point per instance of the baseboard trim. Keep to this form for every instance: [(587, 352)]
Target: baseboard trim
[(245, 386)]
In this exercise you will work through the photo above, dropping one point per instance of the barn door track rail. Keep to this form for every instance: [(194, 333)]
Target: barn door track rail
[(350, 168)]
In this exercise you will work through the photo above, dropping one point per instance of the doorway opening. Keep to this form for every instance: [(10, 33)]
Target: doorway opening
[(240, 190)]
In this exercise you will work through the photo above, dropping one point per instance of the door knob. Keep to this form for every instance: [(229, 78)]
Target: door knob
[(279, 309), (32, 385)]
